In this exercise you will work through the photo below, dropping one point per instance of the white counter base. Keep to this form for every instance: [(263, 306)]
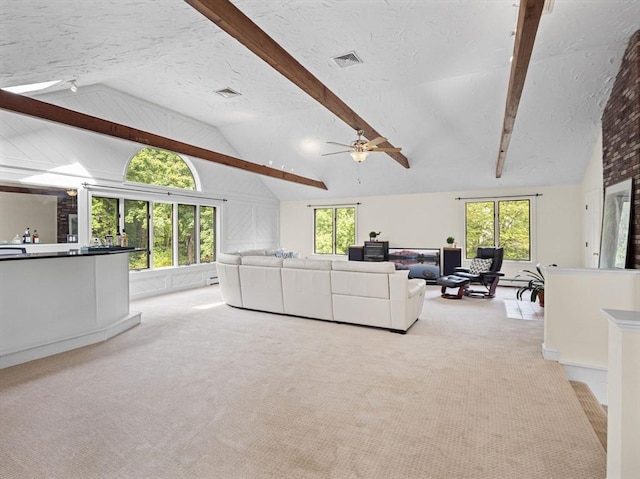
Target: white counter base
[(52, 305), (9, 358)]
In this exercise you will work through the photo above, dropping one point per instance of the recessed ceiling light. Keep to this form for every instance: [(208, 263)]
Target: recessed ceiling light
[(228, 92), (347, 59), (31, 87)]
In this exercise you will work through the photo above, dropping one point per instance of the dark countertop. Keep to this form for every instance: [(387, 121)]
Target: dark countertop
[(91, 251)]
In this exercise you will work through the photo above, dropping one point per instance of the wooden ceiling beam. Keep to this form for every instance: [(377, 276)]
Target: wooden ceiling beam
[(230, 19), (47, 111), (529, 15)]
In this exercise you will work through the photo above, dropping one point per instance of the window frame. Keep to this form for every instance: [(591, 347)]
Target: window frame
[(159, 196), (496, 224), (334, 239)]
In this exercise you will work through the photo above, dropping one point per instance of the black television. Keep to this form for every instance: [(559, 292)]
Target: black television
[(422, 263)]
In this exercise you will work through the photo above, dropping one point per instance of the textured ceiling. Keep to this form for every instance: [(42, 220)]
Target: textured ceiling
[(433, 81)]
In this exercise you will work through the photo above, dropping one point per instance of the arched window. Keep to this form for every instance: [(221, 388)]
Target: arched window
[(161, 168), (177, 229)]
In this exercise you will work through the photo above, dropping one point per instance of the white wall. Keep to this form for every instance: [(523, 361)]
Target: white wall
[(575, 330), (425, 220), (37, 152), (592, 179), (19, 211), (592, 194)]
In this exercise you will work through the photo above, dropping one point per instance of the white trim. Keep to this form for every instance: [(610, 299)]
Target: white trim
[(628, 321), (595, 377), (550, 354), (67, 344)]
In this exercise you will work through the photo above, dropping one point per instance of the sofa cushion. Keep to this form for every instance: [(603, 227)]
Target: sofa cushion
[(268, 261), (321, 264), (261, 283), (364, 267), (367, 285), (307, 291), (226, 258), (252, 252)]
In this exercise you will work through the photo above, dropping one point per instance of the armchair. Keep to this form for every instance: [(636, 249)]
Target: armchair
[(484, 269)]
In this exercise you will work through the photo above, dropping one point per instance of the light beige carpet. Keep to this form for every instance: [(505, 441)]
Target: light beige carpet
[(595, 412), (202, 390)]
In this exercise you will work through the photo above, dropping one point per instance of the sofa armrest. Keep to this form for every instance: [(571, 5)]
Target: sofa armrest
[(415, 287)]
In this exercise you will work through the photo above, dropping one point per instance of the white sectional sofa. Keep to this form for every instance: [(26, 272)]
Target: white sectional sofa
[(371, 294)]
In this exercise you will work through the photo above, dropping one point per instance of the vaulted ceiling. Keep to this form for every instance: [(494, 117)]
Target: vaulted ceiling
[(433, 80)]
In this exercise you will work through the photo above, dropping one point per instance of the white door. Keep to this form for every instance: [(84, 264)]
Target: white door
[(592, 219)]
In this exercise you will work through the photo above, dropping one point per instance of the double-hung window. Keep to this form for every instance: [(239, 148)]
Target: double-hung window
[(506, 223), (334, 229)]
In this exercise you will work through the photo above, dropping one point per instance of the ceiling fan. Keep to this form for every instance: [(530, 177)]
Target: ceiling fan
[(360, 148)]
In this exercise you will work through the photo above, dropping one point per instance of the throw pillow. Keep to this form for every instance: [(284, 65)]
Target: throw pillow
[(480, 265)]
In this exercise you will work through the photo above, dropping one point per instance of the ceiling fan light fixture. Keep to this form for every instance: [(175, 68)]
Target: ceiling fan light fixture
[(359, 156)]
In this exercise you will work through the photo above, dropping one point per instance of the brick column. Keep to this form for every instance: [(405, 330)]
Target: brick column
[(621, 138)]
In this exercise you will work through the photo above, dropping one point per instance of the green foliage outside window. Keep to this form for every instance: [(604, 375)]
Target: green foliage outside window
[(162, 234), (323, 231), (511, 229), (162, 168), (345, 229), (186, 234), (479, 220), (207, 234), (104, 217), (136, 225), (514, 229), (335, 230)]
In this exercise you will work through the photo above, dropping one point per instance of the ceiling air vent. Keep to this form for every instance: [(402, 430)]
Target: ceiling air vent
[(228, 93), (347, 59)]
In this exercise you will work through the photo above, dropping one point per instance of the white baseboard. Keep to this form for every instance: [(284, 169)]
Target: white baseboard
[(550, 354), (593, 376), (67, 344)]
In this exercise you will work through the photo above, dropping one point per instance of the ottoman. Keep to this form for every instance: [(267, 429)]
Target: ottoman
[(453, 281)]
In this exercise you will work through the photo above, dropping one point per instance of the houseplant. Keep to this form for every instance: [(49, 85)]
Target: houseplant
[(450, 241), (535, 284), (373, 235)]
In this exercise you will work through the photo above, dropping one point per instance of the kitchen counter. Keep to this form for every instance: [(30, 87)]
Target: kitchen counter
[(89, 251), (51, 304)]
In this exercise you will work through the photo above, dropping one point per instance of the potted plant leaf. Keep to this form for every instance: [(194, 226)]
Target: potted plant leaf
[(535, 285)]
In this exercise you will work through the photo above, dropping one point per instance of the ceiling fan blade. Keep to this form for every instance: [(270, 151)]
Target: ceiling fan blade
[(375, 141), (335, 153), (384, 150), (340, 144)]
